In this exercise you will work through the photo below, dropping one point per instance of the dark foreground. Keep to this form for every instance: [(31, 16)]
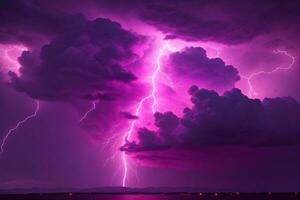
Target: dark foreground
[(173, 196)]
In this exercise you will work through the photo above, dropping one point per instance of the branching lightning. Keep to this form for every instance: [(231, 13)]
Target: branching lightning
[(15, 68), (140, 104), (87, 112), (12, 130), (251, 91)]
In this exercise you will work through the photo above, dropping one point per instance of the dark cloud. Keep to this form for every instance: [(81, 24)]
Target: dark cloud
[(192, 63), (100, 96), (150, 140), (89, 61), (227, 22), (231, 119), (128, 115), (92, 64)]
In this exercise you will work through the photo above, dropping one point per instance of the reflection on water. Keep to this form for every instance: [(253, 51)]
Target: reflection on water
[(185, 196)]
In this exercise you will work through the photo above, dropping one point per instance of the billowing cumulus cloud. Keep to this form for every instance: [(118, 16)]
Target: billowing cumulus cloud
[(87, 62), (230, 119), (192, 64)]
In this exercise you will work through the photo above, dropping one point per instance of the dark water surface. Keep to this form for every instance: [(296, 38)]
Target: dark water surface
[(204, 196)]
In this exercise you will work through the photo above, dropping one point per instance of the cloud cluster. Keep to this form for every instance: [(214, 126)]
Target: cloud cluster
[(128, 115), (31, 21), (193, 64), (90, 61), (227, 22), (230, 119)]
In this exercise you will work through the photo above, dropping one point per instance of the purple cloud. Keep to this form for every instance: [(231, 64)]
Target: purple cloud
[(193, 64), (226, 22), (128, 115), (32, 22), (91, 61), (78, 54), (230, 119)]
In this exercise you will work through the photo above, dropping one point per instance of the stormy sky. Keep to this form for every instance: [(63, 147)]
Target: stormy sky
[(150, 93)]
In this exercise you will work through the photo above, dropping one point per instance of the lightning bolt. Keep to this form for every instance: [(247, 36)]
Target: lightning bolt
[(249, 78), (12, 130), (16, 66), (140, 104), (87, 112)]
